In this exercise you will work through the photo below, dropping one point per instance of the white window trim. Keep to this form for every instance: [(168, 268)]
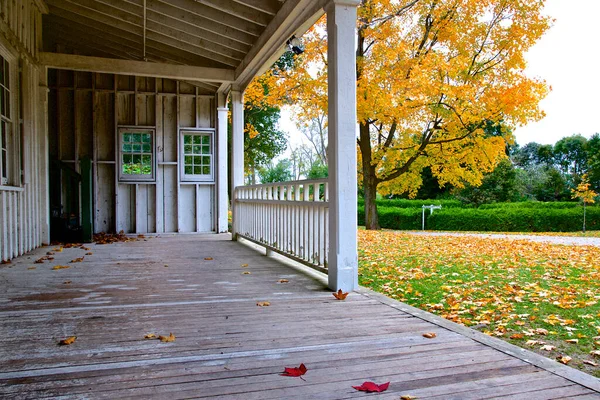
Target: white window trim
[(127, 178), (13, 162), (197, 178)]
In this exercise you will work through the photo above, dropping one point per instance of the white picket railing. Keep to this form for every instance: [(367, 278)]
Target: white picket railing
[(290, 218)]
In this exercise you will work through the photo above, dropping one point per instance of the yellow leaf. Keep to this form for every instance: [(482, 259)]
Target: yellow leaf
[(89, 254), (572, 341), (595, 353), (150, 336), (244, 265), (170, 338), (407, 397), (283, 281), (208, 258), (68, 341), (246, 273), (429, 335), (263, 304), (564, 359), (56, 267), (78, 259)]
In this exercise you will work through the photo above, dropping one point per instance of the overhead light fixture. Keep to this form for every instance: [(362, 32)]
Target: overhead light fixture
[(295, 45)]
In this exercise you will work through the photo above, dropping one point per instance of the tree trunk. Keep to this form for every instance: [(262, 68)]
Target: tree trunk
[(370, 180)]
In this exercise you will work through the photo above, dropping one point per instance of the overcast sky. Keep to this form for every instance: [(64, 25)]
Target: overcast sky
[(567, 57)]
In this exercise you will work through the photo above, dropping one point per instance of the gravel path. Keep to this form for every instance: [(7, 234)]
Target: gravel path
[(567, 240)]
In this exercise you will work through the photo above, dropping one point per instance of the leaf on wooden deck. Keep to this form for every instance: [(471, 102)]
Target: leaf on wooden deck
[(208, 258), (166, 339), (407, 397), (263, 304), (76, 260), (56, 267), (340, 295), (283, 281), (429, 335), (563, 359), (68, 341), (58, 249), (244, 265), (5, 262), (246, 273), (166, 265), (371, 387), (49, 253), (150, 336), (31, 268), (66, 282), (89, 253), (592, 363), (40, 260), (295, 372)]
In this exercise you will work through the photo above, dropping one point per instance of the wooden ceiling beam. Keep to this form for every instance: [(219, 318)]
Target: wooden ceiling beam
[(267, 6), (138, 68), (238, 10)]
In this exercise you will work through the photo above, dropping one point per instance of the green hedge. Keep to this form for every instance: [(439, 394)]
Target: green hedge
[(507, 219), (533, 204), (404, 203)]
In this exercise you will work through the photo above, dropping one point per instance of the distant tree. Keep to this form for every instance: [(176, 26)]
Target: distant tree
[(317, 171), (571, 157), (497, 186), (593, 161), (584, 193), (279, 172)]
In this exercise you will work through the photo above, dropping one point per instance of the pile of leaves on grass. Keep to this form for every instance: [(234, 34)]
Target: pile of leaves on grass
[(543, 297)]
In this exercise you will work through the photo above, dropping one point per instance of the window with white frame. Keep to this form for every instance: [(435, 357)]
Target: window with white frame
[(136, 154), (197, 161), (6, 139)]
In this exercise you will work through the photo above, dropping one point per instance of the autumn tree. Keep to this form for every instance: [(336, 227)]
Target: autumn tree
[(584, 193), (431, 75)]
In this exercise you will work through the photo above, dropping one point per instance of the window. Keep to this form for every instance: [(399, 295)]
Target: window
[(197, 156), (5, 124), (136, 161)]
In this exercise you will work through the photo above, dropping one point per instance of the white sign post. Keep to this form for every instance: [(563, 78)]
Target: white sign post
[(431, 208)]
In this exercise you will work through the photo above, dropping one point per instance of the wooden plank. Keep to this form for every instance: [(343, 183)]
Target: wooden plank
[(139, 68)]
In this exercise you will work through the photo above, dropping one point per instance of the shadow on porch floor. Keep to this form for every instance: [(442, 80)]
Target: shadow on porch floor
[(227, 346)]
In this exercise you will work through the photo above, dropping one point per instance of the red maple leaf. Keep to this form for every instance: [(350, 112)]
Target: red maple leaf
[(296, 371), (372, 387)]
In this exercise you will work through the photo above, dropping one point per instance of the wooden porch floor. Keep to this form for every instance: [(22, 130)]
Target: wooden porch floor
[(226, 345)]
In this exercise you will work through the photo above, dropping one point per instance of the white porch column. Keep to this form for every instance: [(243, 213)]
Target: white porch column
[(237, 152), (222, 203), (341, 69)]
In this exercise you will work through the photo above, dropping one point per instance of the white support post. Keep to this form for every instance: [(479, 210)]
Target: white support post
[(343, 254), (222, 198), (237, 151)]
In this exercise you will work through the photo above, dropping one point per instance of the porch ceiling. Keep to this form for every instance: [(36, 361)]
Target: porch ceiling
[(239, 35)]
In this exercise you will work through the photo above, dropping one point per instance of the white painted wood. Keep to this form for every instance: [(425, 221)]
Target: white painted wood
[(139, 68), (237, 152), (278, 216), (341, 68), (222, 164)]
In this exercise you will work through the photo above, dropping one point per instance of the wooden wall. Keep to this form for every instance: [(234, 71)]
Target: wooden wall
[(23, 202), (87, 109)]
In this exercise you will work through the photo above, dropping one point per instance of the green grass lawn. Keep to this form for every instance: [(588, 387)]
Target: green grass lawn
[(539, 296)]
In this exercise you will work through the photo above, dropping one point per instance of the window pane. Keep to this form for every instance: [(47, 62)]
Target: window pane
[(3, 155), (127, 148), (197, 139), (147, 159), (136, 158), (136, 147), (205, 149), (136, 137), (126, 138), (126, 158), (7, 101), (147, 148), (197, 149), (146, 138), (189, 170), (206, 170), (6, 74), (197, 170), (187, 139), (206, 160), (188, 160), (205, 139), (187, 149), (197, 160)]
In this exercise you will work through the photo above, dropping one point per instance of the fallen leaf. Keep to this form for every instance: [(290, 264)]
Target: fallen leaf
[(407, 397), (541, 331), (283, 281), (49, 253), (59, 249), (4, 262), (592, 363), (31, 268), (263, 304), (572, 341), (66, 282), (79, 259), (564, 359), (516, 336), (595, 353), (170, 338), (340, 295), (166, 265), (246, 273), (548, 347), (295, 372), (208, 258), (150, 336), (67, 341), (429, 335), (40, 260), (370, 387), (89, 254), (60, 267), (534, 342), (244, 265)]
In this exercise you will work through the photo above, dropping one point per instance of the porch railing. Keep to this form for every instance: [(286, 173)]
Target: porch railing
[(290, 218)]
